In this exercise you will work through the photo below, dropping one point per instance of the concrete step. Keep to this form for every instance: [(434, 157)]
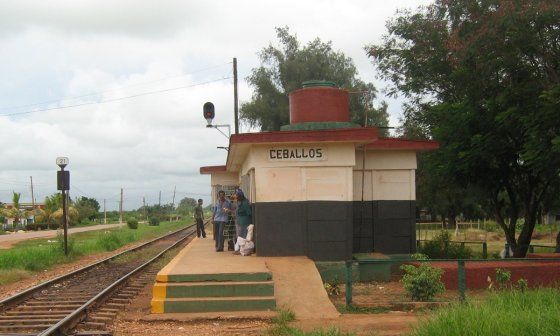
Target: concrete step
[(213, 289), (200, 277), (214, 304)]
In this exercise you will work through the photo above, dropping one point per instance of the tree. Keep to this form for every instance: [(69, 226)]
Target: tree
[(53, 202), (88, 208), (186, 206), (483, 78), (284, 68)]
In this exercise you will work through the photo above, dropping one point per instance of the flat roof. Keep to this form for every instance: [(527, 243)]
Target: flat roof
[(403, 144), (328, 135), (213, 169)]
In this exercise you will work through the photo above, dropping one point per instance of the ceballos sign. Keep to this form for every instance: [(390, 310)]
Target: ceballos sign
[(297, 154)]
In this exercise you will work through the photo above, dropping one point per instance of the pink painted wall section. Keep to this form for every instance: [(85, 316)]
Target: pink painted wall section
[(319, 104)]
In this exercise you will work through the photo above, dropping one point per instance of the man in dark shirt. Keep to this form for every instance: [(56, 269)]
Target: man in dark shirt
[(199, 217)]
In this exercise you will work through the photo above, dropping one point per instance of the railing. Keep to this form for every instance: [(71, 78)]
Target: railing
[(461, 273)]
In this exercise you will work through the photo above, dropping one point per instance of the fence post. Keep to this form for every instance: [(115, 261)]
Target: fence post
[(348, 283), (484, 250), (507, 251), (461, 278)]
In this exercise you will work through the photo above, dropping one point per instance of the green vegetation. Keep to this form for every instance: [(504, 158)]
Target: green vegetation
[(422, 282), (494, 114), (512, 313), (443, 247), (41, 254), (285, 67), (284, 316), (132, 223)]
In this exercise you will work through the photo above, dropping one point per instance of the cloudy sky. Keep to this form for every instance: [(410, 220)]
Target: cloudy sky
[(118, 86)]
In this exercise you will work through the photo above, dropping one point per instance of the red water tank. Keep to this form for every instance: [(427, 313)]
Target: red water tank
[(319, 101)]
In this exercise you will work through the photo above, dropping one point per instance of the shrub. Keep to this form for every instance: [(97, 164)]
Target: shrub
[(522, 285), (502, 277), (32, 227), (332, 289), (132, 223), (154, 221), (60, 243), (54, 226), (109, 241), (422, 282), (442, 247)]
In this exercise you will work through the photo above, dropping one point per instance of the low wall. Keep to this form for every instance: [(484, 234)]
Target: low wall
[(537, 273)]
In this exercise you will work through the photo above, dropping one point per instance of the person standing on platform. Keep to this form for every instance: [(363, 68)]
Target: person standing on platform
[(244, 214), (199, 217), (220, 218)]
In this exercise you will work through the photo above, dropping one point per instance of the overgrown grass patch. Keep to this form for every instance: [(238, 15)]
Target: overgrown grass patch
[(41, 254), (512, 313)]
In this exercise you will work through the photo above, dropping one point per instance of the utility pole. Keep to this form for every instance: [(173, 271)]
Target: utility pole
[(159, 199), (235, 107), (32, 196), (144, 207), (104, 212), (121, 207), (173, 203)]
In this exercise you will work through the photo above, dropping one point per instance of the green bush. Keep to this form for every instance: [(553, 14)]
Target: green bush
[(132, 223), (442, 247), (502, 278), (109, 241), (31, 227), (60, 243), (154, 221), (422, 282)]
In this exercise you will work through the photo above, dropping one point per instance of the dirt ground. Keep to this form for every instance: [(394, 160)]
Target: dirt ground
[(10, 239)]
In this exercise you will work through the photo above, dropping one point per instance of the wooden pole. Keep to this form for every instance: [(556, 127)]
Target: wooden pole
[(235, 100), (32, 197), (121, 208), (104, 212)]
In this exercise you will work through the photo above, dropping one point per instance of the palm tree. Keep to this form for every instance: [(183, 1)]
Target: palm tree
[(15, 213)]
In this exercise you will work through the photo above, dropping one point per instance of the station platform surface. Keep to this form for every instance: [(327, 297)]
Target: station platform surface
[(200, 280)]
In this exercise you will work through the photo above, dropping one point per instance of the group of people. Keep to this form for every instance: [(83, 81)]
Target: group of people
[(224, 212)]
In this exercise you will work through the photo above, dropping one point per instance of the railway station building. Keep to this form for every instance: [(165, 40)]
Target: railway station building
[(322, 186)]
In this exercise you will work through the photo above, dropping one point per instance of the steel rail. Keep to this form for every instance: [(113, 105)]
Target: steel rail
[(24, 295), (75, 317)]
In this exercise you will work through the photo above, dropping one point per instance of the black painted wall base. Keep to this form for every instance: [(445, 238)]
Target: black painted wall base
[(384, 226), (333, 230), (321, 230)]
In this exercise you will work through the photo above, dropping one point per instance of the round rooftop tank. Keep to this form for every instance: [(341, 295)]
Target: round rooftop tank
[(319, 101)]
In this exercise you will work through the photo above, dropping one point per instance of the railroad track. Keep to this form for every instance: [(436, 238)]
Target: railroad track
[(91, 295)]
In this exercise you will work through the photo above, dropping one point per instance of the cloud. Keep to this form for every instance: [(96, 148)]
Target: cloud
[(59, 52)]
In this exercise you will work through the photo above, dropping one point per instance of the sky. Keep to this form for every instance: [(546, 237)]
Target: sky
[(118, 86)]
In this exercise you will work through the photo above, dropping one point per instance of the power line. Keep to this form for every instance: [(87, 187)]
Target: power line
[(114, 99), (119, 87)]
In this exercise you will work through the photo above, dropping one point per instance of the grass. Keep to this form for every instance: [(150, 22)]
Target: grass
[(31, 256), (343, 309), (281, 327), (512, 313)]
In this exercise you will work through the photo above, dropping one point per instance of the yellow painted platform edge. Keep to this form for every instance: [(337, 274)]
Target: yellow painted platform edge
[(157, 306), (159, 291), (163, 275)]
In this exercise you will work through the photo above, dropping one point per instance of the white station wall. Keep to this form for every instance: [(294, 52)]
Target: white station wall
[(389, 175)]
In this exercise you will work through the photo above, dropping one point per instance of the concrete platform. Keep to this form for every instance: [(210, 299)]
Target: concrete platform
[(201, 280), (202, 283), (200, 262)]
